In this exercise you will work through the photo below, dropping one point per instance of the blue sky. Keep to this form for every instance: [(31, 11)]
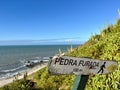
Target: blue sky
[(54, 21)]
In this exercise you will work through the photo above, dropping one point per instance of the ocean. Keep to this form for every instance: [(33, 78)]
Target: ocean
[(12, 57)]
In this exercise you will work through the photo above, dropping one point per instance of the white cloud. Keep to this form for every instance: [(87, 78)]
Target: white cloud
[(41, 42)]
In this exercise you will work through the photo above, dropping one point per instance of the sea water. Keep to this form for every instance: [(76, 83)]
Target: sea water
[(12, 57)]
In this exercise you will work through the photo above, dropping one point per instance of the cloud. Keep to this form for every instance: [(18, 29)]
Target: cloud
[(57, 41), (41, 42), (71, 40)]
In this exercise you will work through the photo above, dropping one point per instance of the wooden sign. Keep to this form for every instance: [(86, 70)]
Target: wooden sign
[(80, 66)]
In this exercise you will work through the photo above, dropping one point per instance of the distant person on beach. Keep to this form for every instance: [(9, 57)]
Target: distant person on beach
[(25, 75), (102, 68)]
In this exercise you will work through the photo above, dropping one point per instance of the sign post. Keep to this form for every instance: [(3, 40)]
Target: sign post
[(82, 67), (80, 82)]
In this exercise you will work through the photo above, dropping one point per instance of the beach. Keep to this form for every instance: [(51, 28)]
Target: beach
[(13, 59), (28, 71)]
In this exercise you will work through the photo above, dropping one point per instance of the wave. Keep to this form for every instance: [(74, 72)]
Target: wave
[(18, 62), (35, 59), (10, 70), (9, 75), (46, 58)]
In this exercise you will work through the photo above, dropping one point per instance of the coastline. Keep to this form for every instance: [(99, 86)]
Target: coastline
[(29, 72)]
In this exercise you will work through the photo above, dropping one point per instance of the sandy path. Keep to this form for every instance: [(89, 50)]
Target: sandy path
[(29, 72)]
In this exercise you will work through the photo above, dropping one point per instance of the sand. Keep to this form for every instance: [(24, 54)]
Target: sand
[(29, 72)]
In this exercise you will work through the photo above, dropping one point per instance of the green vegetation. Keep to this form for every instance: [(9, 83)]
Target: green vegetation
[(42, 81), (105, 46), (23, 84), (45, 81)]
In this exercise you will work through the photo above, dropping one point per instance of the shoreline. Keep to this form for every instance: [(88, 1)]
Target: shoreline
[(29, 72)]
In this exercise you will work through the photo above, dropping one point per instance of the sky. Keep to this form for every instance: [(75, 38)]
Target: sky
[(25, 22)]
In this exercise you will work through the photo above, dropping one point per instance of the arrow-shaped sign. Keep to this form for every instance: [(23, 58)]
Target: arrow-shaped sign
[(80, 66)]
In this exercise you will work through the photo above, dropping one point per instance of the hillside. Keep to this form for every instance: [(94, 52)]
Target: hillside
[(105, 46)]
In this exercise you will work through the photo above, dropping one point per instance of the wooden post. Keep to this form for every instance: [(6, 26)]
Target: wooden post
[(80, 82)]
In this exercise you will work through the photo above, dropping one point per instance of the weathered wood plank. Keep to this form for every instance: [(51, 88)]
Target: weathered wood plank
[(80, 66)]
